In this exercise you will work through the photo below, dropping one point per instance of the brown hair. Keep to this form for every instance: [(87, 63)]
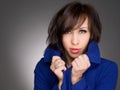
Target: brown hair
[(67, 17)]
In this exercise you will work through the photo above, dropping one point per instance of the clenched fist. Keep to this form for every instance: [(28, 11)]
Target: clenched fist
[(57, 66), (79, 66)]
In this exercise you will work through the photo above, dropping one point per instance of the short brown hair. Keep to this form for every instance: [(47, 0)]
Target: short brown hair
[(67, 17)]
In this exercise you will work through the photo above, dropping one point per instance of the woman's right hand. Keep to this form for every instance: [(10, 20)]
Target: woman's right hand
[(57, 66)]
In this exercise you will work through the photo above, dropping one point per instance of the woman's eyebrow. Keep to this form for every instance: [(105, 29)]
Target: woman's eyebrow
[(84, 27)]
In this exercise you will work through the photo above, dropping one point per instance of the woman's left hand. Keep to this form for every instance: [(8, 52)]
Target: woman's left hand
[(79, 66)]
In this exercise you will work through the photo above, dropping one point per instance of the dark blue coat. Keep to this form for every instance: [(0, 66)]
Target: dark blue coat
[(102, 74)]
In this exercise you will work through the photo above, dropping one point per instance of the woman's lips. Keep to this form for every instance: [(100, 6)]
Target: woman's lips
[(74, 50)]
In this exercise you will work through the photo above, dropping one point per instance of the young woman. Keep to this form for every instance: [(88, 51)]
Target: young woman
[(72, 59)]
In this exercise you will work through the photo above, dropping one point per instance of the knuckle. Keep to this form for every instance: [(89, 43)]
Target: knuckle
[(54, 58), (51, 67), (89, 64)]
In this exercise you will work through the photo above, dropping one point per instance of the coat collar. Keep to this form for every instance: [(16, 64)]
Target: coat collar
[(93, 53), (49, 53)]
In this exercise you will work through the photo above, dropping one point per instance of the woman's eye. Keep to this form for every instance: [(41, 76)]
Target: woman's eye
[(83, 31)]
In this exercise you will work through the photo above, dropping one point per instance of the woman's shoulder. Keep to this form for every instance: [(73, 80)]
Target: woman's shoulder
[(42, 70), (106, 62), (107, 71), (42, 65), (107, 65)]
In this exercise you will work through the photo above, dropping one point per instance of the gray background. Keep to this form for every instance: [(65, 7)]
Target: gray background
[(23, 33)]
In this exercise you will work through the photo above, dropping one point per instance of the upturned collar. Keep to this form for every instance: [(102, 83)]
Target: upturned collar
[(93, 53)]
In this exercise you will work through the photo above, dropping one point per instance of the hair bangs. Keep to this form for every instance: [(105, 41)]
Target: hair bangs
[(74, 22)]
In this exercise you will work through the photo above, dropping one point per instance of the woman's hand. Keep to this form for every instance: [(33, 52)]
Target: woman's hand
[(79, 66), (57, 66)]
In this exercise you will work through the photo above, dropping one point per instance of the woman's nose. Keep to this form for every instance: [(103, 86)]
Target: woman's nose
[(75, 39)]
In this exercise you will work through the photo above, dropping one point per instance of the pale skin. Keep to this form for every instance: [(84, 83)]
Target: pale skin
[(75, 43)]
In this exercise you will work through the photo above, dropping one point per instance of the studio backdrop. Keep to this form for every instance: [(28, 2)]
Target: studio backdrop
[(23, 33)]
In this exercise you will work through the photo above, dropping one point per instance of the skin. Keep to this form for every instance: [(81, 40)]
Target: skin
[(74, 43)]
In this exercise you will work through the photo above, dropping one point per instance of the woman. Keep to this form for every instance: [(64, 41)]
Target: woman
[(72, 59)]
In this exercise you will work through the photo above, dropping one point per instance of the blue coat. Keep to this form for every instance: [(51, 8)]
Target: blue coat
[(102, 74)]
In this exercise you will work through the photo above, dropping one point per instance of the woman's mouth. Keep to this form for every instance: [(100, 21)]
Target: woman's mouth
[(74, 50)]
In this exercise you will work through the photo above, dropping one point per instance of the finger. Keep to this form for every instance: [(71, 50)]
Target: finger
[(74, 66), (79, 64), (53, 63), (54, 58), (81, 61), (52, 67), (59, 64), (84, 62), (87, 60), (62, 68), (59, 61)]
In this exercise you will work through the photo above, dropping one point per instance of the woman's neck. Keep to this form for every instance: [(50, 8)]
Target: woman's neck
[(68, 60)]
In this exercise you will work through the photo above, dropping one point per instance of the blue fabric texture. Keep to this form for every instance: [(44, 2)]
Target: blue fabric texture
[(102, 74)]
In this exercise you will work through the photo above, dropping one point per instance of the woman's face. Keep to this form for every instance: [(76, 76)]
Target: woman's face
[(76, 41)]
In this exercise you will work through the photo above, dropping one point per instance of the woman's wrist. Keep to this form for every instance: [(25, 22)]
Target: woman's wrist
[(60, 84)]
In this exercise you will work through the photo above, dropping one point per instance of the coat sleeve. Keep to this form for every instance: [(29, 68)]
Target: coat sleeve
[(106, 80), (41, 81), (108, 77)]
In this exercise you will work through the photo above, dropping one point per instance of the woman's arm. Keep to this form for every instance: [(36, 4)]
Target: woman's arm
[(107, 79), (43, 78)]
